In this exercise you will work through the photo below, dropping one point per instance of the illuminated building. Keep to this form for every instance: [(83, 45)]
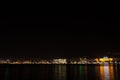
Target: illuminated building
[(59, 61), (26, 62), (15, 62), (104, 59)]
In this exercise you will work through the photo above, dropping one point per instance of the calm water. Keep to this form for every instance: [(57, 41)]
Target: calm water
[(59, 72)]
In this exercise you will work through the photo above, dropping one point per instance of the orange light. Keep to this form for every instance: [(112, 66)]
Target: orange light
[(110, 59)]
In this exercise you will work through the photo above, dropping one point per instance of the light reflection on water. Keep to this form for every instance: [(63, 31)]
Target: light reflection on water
[(60, 72), (106, 72)]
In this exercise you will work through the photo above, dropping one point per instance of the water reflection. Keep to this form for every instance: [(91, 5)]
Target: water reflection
[(6, 74), (72, 72), (82, 72), (106, 72), (116, 72), (60, 72), (111, 71)]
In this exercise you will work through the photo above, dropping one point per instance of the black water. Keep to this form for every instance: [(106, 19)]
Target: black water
[(59, 72)]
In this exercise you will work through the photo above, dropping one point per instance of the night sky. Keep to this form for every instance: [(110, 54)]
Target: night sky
[(59, 35)]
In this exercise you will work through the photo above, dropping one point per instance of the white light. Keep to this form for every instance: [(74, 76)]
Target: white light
[(105, 57)]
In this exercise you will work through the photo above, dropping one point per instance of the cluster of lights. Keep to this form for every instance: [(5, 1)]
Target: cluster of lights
[(60, 61), (104, 59)]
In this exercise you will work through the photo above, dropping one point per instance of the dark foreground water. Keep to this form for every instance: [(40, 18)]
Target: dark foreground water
[(59, 72)]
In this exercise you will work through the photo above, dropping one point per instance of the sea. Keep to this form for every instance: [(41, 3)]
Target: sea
[(59, 72)]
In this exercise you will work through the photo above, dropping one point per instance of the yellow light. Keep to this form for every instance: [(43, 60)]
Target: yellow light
[(110, 59), (105, 59), (101, 59), (97, 60)]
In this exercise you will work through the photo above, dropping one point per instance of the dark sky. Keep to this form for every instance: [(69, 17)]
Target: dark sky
[(59, 35)]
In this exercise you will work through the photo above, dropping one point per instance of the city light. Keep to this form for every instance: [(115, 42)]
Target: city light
[(104, 59), (79, 60)]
